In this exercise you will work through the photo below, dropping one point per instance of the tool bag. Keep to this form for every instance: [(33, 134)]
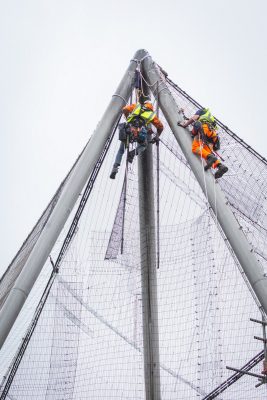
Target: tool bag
[(122, 132)]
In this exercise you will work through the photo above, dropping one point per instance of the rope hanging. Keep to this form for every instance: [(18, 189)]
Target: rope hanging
[(125, 184), (157, 144)]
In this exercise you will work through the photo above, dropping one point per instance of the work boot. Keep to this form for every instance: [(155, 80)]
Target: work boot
[(114, 171), (131, 156), (220, 171), (210, 160)]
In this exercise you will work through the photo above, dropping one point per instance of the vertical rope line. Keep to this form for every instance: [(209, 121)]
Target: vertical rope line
[(124, 207), (125, 184), (157, 144)]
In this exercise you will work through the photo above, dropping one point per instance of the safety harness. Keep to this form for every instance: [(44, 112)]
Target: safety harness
[(141, 112), (207, 119)]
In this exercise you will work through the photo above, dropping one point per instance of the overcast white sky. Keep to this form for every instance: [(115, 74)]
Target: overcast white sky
[(61, 61)]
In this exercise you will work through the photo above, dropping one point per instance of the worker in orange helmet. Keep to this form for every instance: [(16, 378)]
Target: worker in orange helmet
[(206, 139), (139, 117)]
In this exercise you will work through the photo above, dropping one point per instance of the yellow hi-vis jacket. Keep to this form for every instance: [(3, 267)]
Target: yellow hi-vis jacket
[(207, 118), (146, 115)]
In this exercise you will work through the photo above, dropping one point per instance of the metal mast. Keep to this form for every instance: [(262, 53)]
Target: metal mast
[(70, 193), (149, 274), (232, 229)]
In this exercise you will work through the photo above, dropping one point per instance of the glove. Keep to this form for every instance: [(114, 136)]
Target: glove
[(217, 144)]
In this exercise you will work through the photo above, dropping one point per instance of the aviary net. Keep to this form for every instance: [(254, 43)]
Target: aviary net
[(87, 340)]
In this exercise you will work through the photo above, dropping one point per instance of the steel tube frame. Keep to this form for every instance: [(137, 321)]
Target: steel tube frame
[(149, 275), (232, 230), (62, 210)]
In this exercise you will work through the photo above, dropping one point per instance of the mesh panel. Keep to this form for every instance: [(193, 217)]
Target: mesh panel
[(8, 279)]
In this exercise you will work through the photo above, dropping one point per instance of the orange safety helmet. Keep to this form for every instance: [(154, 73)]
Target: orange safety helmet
[(148, 105)]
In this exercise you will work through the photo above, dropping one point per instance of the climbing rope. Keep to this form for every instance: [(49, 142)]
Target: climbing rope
[(157, 144), (125, 184), (139, 81), (124, 193), (157, 154)]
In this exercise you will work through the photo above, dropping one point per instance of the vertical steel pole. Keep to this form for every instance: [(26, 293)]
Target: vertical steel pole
[(62, 210), (229, 224), (149, 275)]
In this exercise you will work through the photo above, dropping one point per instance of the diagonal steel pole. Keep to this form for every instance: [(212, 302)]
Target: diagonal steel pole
[(232, 230), (62, 210)]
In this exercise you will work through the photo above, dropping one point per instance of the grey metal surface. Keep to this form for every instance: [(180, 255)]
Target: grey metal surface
[(149, 275), (80, 174), (232, 229)]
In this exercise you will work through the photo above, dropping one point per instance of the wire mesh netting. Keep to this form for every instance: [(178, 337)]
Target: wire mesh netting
[(87, 342), (18, 262)]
